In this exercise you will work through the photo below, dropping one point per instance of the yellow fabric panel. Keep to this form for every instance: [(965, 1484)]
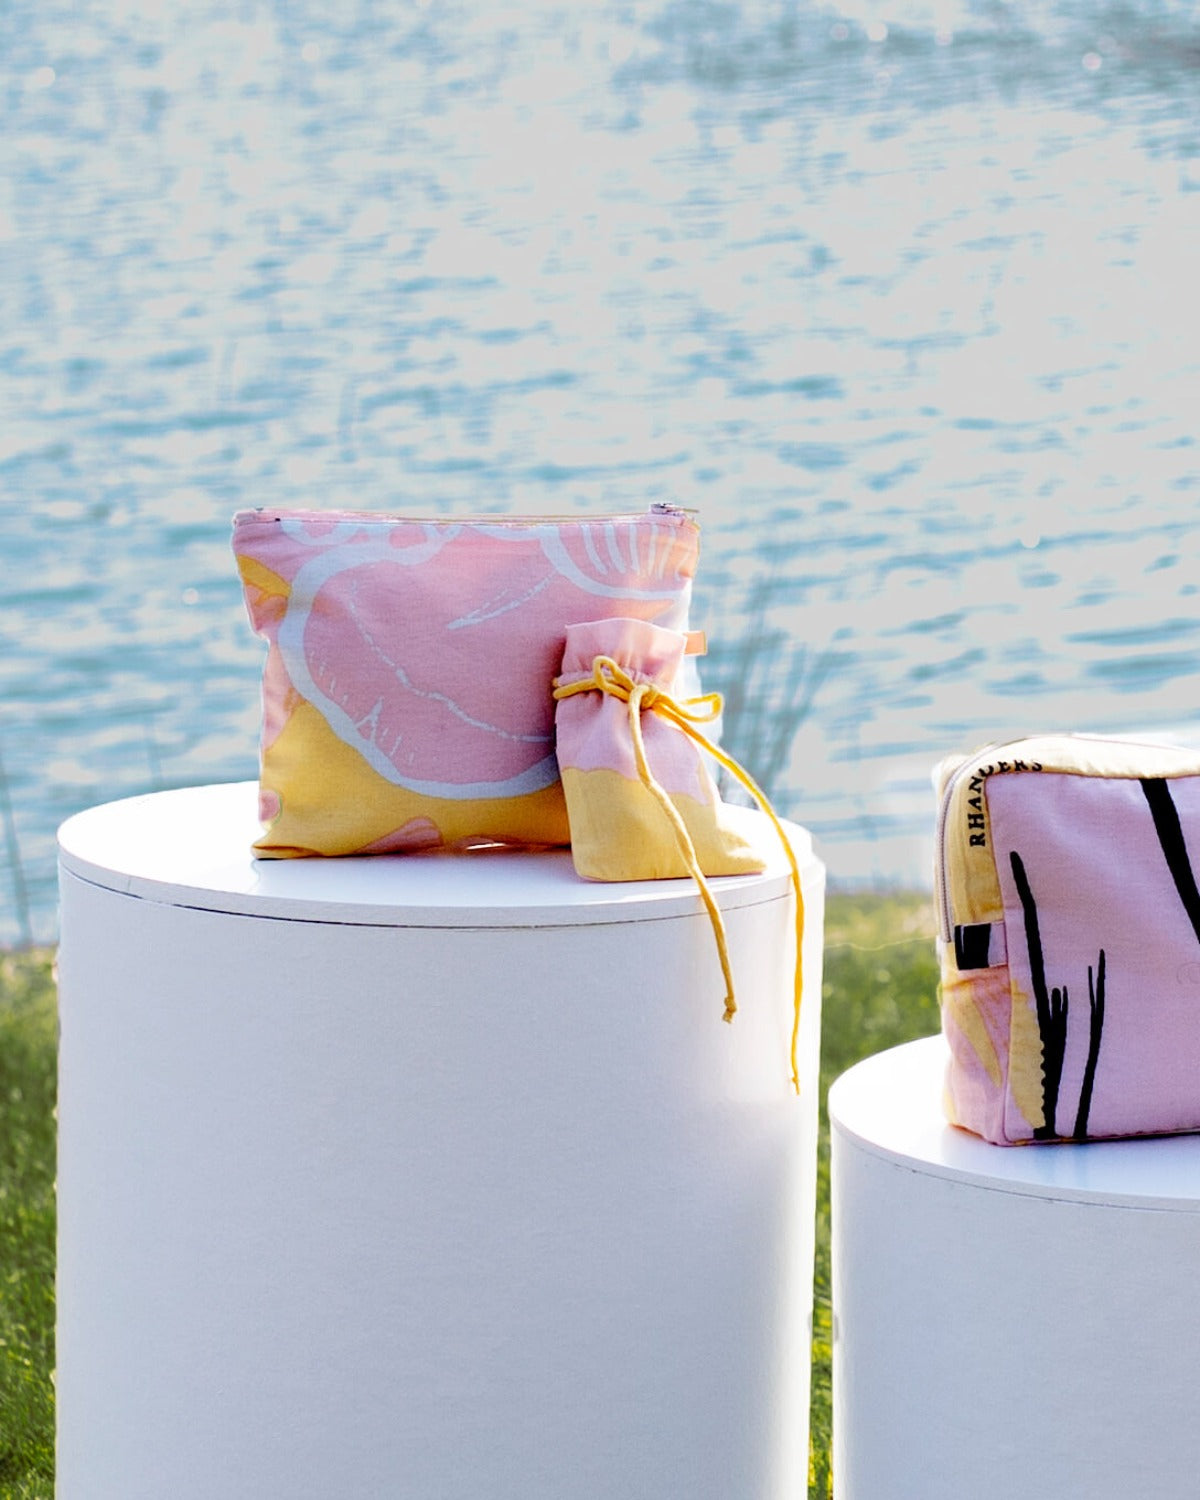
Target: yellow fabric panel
[(958, 998), (967, 855), (257, 576), (619, 832), (307, 760), (1025, 1065), (1088, 755)]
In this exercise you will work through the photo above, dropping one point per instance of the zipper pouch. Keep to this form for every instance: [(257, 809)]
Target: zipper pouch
[(640, 800), (407, 688), (1070, 938)]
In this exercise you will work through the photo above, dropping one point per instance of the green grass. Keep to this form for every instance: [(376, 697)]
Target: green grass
[(28, 1036), (880, 989)]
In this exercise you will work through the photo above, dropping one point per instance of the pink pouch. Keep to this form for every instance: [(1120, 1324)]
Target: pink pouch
[(640, 800), (406, 694)]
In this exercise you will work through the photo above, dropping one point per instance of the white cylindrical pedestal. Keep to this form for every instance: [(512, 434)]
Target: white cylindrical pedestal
[(1008, 1321), (429, 1177)]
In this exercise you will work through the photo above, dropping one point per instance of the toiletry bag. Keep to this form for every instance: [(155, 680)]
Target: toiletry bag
[(1069, 916)]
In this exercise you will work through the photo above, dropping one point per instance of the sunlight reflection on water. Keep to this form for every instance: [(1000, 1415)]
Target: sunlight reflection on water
[(897, 296)]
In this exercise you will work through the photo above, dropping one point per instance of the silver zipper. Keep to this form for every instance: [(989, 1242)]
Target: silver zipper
[(659, 508)]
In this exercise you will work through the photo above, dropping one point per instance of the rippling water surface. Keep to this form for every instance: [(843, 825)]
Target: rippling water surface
[(899, 297)]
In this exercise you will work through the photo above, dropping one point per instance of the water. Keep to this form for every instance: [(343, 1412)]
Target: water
[(900, 297)]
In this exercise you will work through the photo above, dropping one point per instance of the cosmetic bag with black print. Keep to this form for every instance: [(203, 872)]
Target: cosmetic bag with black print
[(1066, 877)]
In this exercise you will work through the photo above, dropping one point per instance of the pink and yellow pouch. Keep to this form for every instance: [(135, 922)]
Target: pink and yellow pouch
[(1070, 938), (407, 690), (640, 800), (618, 827)]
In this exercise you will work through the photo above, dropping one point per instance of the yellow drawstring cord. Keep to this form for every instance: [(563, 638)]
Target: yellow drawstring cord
[(607, 677)]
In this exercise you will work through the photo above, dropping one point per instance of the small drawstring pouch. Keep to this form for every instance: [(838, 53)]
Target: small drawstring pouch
[(641, 804)]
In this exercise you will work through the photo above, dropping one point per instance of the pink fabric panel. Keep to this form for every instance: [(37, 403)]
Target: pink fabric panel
[(1098, 875), (410, 656)]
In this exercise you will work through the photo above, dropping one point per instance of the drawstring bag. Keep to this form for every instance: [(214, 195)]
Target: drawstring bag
[(640, 800), (1070, 938), (406, 693)]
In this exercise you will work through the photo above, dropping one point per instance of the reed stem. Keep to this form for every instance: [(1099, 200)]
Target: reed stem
[(13, 850)]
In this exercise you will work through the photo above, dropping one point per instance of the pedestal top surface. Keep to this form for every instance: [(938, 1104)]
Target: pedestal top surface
[(891, 1105), (191, 847)]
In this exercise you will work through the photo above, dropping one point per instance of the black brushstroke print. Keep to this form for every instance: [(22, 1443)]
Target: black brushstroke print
[(1052, 1007), (1096, 1006), (1170, 836)]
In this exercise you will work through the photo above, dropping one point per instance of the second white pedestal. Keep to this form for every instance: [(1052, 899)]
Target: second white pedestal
[(1009, 1321)]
